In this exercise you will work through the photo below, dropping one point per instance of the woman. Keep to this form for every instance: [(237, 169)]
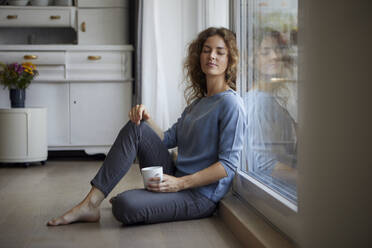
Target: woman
[(272, 111), (209, 136)]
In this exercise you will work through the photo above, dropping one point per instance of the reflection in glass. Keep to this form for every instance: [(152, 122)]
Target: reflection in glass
[(271, 96)]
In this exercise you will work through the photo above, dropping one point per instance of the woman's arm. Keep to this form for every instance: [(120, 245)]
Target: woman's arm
[(138, 113), (206, 176), (174, 184)]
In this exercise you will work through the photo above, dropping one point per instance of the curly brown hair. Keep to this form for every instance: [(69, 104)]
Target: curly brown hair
[(196, 85)]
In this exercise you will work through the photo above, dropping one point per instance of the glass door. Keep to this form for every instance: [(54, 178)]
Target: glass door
[(267, 34)]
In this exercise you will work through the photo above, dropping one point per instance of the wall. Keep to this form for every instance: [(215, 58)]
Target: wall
[(335, 123)]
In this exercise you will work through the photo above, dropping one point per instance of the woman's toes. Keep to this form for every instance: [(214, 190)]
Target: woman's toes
[(51, 223), (57, 221)]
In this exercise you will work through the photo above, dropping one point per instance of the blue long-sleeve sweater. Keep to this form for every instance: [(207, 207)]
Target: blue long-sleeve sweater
[(209, 130)]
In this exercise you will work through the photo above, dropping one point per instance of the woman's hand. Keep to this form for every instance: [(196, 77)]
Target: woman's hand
[(138, 113), (169, 184)]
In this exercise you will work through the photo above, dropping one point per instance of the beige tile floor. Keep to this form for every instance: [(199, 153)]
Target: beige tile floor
[(29, 197)]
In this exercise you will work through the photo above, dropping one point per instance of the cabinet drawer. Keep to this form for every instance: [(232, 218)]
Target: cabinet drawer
[(95, 65), (37, 57), (50, 65), (36, 17), (94, 58)]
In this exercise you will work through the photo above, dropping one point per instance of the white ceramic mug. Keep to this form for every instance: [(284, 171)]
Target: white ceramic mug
[(149, 172)]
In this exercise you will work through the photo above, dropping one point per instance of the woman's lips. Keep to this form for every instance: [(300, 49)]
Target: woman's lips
[(211, 64)]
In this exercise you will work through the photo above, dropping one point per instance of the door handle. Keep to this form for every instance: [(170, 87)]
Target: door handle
[(12, 17), (83, 27), (94, 57), (55, 17), (30, 57)]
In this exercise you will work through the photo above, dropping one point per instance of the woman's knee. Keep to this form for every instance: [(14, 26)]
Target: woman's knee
[(125, 209), (133, 127), (128, 126)]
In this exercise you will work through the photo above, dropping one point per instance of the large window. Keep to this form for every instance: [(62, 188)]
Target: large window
[(267, 36)]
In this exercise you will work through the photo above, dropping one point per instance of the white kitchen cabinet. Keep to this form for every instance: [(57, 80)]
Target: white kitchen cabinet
[(31, 16), (103, 26), (86, 85), (88, 99)]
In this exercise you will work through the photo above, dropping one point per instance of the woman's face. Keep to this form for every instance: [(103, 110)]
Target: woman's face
[(269, 58), (214, 56)]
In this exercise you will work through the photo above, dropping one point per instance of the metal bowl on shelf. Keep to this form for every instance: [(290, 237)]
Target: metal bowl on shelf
[(39, 2), (18, 2), (63, 2)]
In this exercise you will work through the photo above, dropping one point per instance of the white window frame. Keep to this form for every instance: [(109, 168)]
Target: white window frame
[(276, 209)]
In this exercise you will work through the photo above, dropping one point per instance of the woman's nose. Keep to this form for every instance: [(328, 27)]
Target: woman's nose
[(212, 55)]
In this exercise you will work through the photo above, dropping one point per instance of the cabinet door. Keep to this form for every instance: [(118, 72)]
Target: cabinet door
[(98, 112), (103, 26), (55, 97)]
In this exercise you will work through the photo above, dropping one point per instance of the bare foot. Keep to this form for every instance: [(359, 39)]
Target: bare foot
[(83, 212)]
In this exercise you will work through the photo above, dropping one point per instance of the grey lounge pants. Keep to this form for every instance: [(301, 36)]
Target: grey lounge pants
[(141, 206)]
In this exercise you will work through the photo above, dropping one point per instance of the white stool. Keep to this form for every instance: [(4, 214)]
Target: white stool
[(23, 135)]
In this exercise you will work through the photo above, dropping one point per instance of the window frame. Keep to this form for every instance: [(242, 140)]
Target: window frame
[(279, 211)]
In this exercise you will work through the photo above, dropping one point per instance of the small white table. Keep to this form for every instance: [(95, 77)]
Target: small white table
[(23, 135)]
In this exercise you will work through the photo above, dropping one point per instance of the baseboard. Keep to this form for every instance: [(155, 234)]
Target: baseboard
[(249, 227), (73, 155)]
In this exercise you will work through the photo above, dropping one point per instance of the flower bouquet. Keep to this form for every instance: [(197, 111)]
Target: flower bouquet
[(17, 77)]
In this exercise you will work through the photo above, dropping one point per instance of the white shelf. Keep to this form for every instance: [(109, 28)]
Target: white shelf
[(30, 7), (66, 47)]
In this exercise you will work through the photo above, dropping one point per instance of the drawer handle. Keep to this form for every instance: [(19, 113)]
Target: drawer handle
[(83, 27), (12, 17), (94, 57), (30, 57), (55, 17)]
